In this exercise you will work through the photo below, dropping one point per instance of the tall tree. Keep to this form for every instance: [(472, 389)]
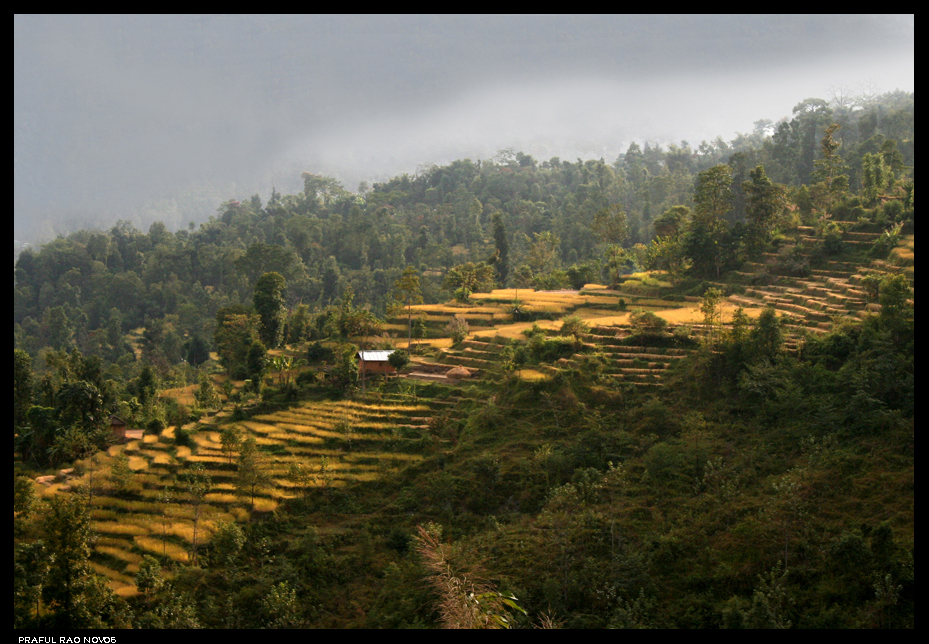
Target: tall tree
[(407, 288), (269, 304), (766, 201), (66, 528), (197, 483), (809, 114), (706, 240), (502, 254), (469, 277), (22, 387), (252, 473), (611, 227), (829, 168)]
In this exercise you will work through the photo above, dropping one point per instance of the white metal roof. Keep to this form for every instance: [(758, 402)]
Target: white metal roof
[(374, 356)]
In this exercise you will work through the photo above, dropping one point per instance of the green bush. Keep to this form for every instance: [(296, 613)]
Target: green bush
[(183, 438), (646, 322)]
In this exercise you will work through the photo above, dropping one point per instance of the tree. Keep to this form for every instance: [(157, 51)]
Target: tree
[(706, 237), (31, 567), (767, 337), (120, 473), (197, 483), (543, 251), (227, 542), (269, 304), (66, 530), (610, 224), (22, 387), (647, 322), (829, 168), (611, 227), (457, 329), (252, 474), (235, 333), (502, 254), (231, 441), (257, 362), (197, 351), (712, 314), (874, 176), (24, 496), (896, 311), (149, 579), (809, 114), (407, 287), (206, 395), (468, 278), (766, 201), (670, 224), (713, 194), (574, 326)]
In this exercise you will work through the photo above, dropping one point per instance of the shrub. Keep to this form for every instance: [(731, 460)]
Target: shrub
[(457, 329), (398, 360), (316, 352), (182, 437), (647, 322)]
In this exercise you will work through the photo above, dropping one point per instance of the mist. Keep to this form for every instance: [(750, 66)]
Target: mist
[(150, 118)]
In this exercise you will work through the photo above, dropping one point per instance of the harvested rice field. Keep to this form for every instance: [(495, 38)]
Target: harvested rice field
[(337, 443)]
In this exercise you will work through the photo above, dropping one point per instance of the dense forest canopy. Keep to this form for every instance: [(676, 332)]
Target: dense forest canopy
[(106, 321)]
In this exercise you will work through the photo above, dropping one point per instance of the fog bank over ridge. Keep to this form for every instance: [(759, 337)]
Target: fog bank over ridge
[(163, 117)]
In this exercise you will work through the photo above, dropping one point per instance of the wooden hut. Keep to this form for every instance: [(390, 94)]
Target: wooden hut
[(118, 427)]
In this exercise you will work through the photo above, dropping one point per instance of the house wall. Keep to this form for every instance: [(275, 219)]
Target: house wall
[(375, 367)]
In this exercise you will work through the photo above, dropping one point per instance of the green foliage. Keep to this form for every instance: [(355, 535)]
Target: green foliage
[(457, 329), (398, 360), (121, 474), (646, 322), (316, 353), (149, 579), (269, 304), (343, 376), (469, 278), (22, 387), (226, 544)]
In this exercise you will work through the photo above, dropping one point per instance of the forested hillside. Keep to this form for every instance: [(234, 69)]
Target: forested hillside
[(672, 389)]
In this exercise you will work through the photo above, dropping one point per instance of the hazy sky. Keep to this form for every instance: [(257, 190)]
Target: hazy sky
[(141, 116)]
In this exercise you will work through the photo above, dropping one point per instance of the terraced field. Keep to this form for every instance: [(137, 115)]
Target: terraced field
[(336, 442), (832, 292)]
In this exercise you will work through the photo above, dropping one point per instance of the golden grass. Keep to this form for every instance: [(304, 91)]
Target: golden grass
[(163, 458), (258, 428), (265, 505), (532, 374), (137, 463), (119, 553), (112, 575), (157, 546), (221, 497), (206, 458), (183, 395), (127, 506), (111, 527)]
